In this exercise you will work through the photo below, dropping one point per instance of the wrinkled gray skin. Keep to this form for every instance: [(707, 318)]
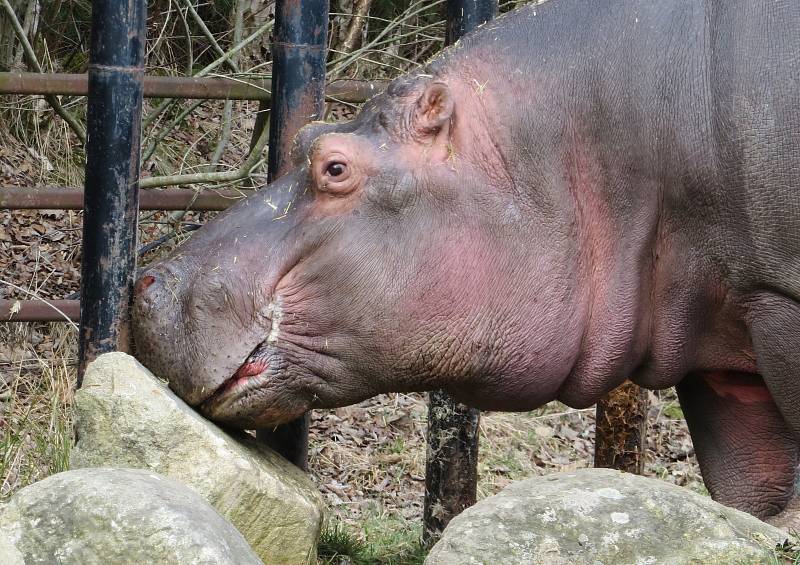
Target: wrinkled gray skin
[(578, 193)]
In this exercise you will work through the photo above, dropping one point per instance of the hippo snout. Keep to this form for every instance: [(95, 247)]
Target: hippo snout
[(159, 295), (157, 314), (185, 324), (150, 295)]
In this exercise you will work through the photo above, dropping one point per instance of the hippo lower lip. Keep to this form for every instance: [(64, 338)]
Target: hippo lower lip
[(249, 376)]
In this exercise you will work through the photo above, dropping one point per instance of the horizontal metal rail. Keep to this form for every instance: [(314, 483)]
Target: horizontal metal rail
[(62, 198), (351, 91), (39, 310)]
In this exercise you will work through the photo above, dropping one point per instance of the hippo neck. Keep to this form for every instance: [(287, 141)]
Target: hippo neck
[(610, 138)]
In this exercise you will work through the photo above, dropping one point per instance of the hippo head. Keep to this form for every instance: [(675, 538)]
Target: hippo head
[(396, 255)]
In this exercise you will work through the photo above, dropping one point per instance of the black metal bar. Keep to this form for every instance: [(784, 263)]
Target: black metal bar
[(465, 15), (298, 84), (451, 469), (108, 264), (298, 75), (220, 88)]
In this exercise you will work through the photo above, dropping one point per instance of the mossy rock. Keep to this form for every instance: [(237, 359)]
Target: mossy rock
[(100, 516), (126, 417)]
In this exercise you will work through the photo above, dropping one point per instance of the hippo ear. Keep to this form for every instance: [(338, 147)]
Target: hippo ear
[(434, 109)]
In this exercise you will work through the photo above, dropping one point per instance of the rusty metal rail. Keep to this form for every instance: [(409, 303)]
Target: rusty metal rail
[(39, 310), (351, 91), (63, 198)]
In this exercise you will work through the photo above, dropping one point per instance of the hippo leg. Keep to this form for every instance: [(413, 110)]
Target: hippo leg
[(775, 329), (747, 453)]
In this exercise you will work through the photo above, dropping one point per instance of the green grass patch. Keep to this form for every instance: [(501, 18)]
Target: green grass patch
[(383, 540), (673, 410), (788, 552)]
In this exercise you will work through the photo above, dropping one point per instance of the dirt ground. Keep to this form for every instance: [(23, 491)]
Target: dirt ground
[(370, 457)]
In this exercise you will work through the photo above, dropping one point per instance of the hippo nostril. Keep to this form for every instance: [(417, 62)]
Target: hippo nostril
[(144, 299), (145, 282)]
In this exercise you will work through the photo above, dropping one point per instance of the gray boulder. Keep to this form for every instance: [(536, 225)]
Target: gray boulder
[(125, 417), (602, 517), (120, 516), (9, 554)]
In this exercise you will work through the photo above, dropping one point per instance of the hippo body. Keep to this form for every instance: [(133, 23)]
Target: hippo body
[(577, 193)]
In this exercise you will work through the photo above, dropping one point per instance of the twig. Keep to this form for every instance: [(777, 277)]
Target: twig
[(30, 55), (231, 52), (210, 36), (150, 118), (148, 152), (242, 172), (565, 413), (165, 238), (154, 45), (356, 25), (238, 24), (189, 51), (413, 10)]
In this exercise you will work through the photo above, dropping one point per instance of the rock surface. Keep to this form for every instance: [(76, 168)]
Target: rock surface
[(601, 516), (125, 417), (9, 554), (101, 516)]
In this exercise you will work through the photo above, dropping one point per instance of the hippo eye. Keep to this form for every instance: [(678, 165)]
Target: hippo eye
[(336, 169), (335, 174)]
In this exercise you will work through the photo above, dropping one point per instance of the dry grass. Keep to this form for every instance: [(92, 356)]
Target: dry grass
[(37, 376)]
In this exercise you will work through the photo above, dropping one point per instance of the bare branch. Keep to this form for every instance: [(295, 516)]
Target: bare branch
[(356, 25), (224, 176), (33, 62)]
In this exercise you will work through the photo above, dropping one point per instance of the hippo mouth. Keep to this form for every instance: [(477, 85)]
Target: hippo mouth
[(251, 375)]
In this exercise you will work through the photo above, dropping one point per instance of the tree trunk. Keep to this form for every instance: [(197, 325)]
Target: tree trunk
[(451, 470), (620, 431)]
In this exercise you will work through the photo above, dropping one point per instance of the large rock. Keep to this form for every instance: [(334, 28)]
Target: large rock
[(120, 516), (125, 417), (9, 554), (600, 516)]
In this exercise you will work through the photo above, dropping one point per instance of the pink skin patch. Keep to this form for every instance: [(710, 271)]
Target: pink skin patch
[(244, 373), (747, 389), (145, 282)]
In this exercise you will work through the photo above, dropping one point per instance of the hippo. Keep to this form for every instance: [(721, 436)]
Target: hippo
[(575, 194)]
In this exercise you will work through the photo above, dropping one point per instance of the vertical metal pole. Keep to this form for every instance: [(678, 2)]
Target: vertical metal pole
[(298, 96), (451, 469), (111, 199), (298, 75), (465, 15)]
